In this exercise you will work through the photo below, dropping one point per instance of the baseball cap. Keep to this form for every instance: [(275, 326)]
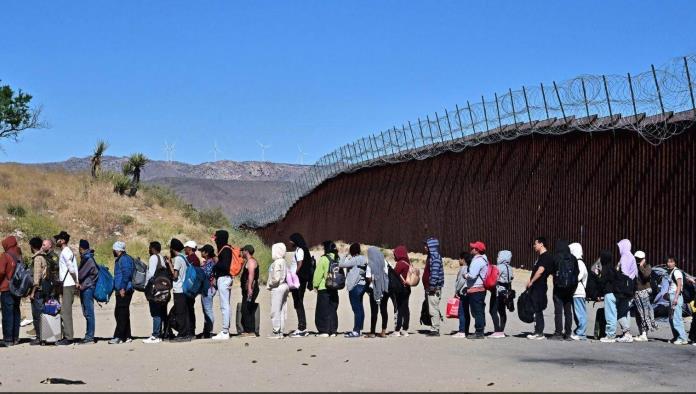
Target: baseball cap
[(190, 244), (478, 245), (639, 255)]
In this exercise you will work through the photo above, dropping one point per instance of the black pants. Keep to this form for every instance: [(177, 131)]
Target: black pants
[(563, 306), (539, 322), (190, 309), (497, 311), (375, 309), (36, 308), (249, 311), (181, 314), (692, 330), (122, 315), (298, 303), (477, 304), (326, 316), (403, 314)]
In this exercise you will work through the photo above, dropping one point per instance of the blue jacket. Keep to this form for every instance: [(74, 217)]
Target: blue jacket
[(123, 273), (437, 272)]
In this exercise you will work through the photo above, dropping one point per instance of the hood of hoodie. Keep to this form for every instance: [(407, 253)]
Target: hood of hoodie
[(576, 250), (624, 247), (9, 244), (627, 261), (504, 256), (433, 249), (401, 254), (278, 251)]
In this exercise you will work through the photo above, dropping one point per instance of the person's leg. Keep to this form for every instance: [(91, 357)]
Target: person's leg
[(558, 314), (209, 316), (181, 312), (276, 305), (622, 315), (539, 322), (66, 311), (190, 307), (610, 314), (405, 311), (7, 316), (87, 301), (493, 310), (640, 322), (284, 307), (354, 297), (580, 310), (692, 329), (677, 320), (467, 312), (298, 304), (119, 330), (383, 310), (461, 316), (373, 313), (36, 309), (224, 285), (126, 317), (156, 319), (333, 312), (568, 312), (502, 311), (16, 317), (434, 307), (253, 305), (478, 305)]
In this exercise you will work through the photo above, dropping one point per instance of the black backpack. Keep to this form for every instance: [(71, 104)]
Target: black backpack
[(425, 313), (566, 275), (396, 286), (593, 290), (159, 287), (624, 286), (525, 307), (22, 280), (335, 278)]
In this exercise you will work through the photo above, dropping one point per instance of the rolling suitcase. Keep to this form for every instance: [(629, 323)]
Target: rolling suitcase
[(51, 328), (257, 318)]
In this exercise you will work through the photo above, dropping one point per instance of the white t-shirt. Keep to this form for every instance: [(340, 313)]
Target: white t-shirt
[(179, 265), (674, 276), (152, 265), (67, 263), (299, 256)]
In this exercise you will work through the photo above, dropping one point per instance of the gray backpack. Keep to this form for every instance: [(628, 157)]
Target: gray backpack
[(22, 280), (139, 275)]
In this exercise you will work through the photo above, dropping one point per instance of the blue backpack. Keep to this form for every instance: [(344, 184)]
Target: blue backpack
[(195, 282), (105, 284)]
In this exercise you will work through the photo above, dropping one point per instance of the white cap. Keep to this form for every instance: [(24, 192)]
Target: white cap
[(190, 244), (639, 255), (119, 246)]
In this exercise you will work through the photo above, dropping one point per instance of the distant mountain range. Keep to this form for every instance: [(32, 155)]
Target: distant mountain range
[(230, 185)]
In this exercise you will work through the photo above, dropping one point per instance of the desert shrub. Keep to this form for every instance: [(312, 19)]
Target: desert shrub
[(16, 210), (38, 225), (126, 220), (43, 193), (121, 183)]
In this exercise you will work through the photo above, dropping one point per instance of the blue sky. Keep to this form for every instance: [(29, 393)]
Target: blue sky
[(313, 73)]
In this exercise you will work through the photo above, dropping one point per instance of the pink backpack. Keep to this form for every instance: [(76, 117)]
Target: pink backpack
[(291, 279)]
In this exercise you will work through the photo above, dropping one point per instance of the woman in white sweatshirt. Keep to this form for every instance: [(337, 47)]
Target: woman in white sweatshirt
[(279, 290), (579, 307)]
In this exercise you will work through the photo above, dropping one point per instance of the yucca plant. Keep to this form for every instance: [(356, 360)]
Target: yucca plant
[(121, 182), (96, 159), (135, 164)]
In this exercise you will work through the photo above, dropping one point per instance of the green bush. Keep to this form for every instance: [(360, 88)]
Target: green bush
[(121, 183), (34, 225), (213, 218), (16, 210), (126, 220)]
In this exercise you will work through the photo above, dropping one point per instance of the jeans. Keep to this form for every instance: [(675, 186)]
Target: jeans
[(477, 303), (10, 317), (434, 298), (224, 285), (122, 315), (563, 308), (675, 321), (356, 303), (36, 309), (403, 313), (158, 311), (497, 311), (87, 301), (622, 310), (580, 311), (298, 304), (208, 315), (66, 311), (610, 314), (464, 314)]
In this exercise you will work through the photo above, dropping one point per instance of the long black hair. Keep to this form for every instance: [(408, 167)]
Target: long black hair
[(330, 247), (298, 240)]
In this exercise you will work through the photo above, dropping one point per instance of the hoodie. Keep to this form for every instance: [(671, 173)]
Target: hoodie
[(436, 279), (222, 268), (8, 261), (608, 272), (403, 263), (88, 271), (503, 261), (627, 263), (380, 279), (277, 270), (576, 250)]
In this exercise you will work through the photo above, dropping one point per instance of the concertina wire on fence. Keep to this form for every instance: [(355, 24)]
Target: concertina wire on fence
[(657, 104)]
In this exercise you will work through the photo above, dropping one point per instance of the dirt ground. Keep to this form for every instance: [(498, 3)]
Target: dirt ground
[(416, 363)]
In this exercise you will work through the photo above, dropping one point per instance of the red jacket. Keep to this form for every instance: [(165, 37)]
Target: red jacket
[(7, 261)]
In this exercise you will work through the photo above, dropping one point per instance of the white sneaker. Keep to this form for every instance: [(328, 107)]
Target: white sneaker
[(152, 340), (608, 339), (395, 334), (299, 334), (324, 335), (25, 322), (404, 333), (129, 340), (222, 336), (333, 335), (626, 338), (536, 337), (497, 335), (459, 335), (276, 335), (680, 342), (641, 338)]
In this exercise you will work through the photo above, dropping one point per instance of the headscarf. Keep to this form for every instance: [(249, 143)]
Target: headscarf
[(576, 250), (401, 254), (627, 261), (380, 280)]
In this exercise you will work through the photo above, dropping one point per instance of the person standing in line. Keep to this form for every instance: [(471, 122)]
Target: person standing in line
[(123, 285), (676, 285), (302, 266), (326, 317), (607, 282), (435, 282), (208, 254), (403, 313), (224, 281), (190, 249), (499, 295), (38, 295), (178, 271), (579, 306), (645, 318), (355, 284), (52, 271), (68, 274), (629, 267), (378, 290), (158, 310), (538, 285), (279, 290), (460, 287), (88, 274), (565, 282), (249, 281), (11, 316), (476, 292)]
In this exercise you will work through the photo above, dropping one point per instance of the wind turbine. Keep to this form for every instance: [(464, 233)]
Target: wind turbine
[(169, 151), (302, 154), (215, 150), (263, 150)]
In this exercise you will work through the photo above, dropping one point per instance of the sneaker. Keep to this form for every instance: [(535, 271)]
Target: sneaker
[(536, 337), (433, 334), (276, 335), (352, 334), (641, 338), (129, 340), (35, 342), (25, 322), (64, 342), (404, 333), (626, 338), (578, 337), (152, 340), (333, 335), (680, 342), (478, 336), (395, 334), (497, 335), (459, 335), (114, 341), (247, 335), (323, 335), (299, 334), (87, 341), (608, 339), (222, 336)]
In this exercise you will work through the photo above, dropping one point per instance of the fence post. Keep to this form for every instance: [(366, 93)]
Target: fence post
[(691, 88), (558, 95), (606, 92), (584, 95), (526, 104), (412, 136), (403, 131), (373, 145), (421, 132), (543, 95), (432, 139), (459, 120), (657, 87), (497, 110), (633, 97), (471, 116), (439, 129), (449, 125), (485, 113), (512, 102)]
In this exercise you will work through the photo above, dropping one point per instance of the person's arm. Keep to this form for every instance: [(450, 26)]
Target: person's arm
[(73, 271), (251, 269), (152, 267), (3, 266), (299, 256), (536, 277), (678, 292), (347, 262), (320, 272)]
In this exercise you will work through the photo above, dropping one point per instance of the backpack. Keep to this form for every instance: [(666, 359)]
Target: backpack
[(492, 275), (105, 284), (396, 286), (624, 286), (687, 292), (22, 280), (525, 307), (593, 290), (425, 318), (195, 280), (413, 276), (237, 263), (566, 276), (335, 278), (159, 287), (291, 279), (139, 275)]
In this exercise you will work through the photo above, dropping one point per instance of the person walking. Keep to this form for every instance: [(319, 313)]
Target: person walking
[(460, 288), (208, 265), (378, 278), (69, 279), (249, 281), (538, 285), (279, 290), (326, 316), (676, 285), (9, 303), (38, 294), (123, 285), (434, 283), (499, 295), (88, 274), (180, 310), (565, 282), (221, 271), (302, 264), (355, 285), (476, 292), (645, 318), (403, 313), (156, 265), (579, 306)]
